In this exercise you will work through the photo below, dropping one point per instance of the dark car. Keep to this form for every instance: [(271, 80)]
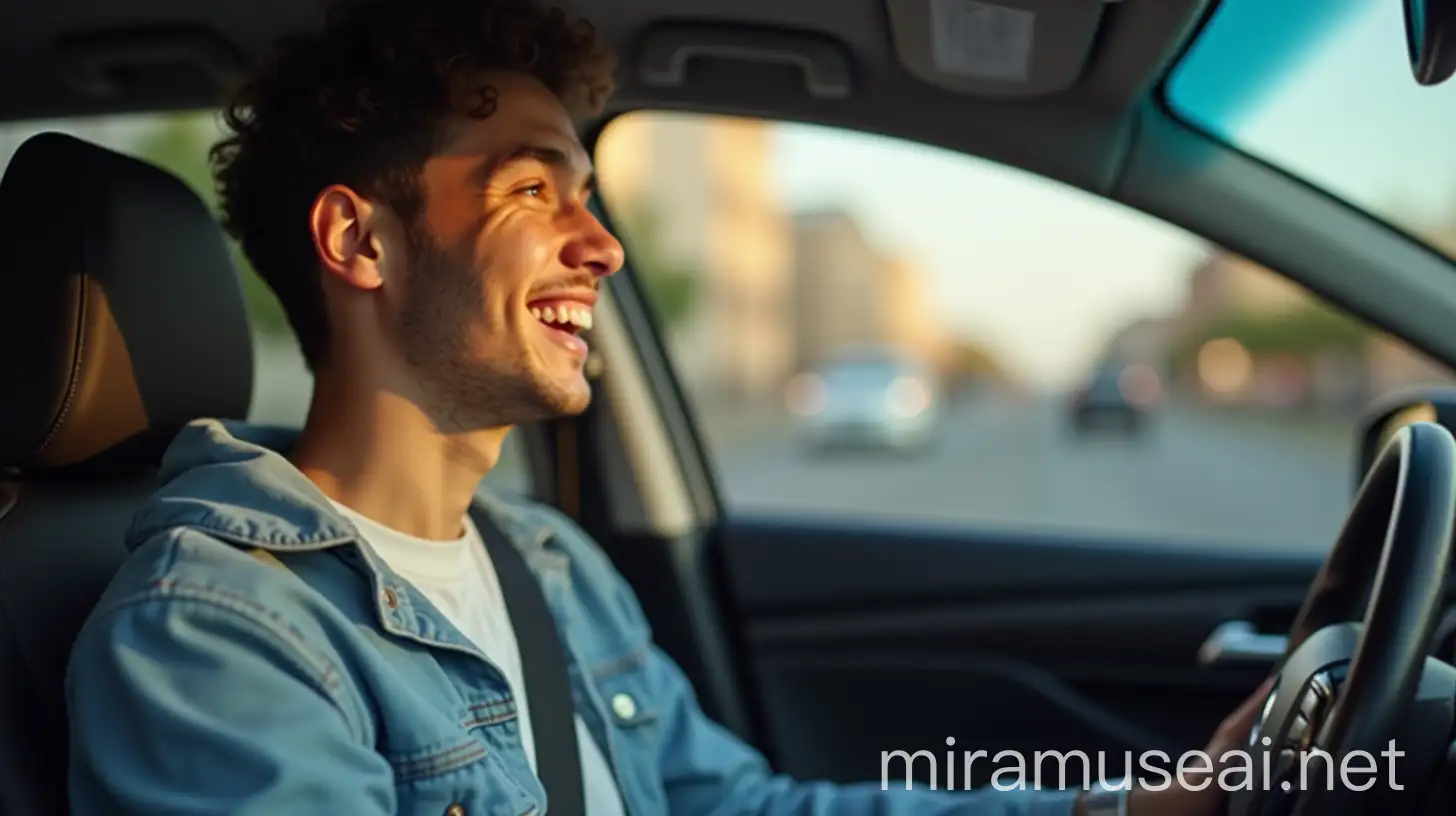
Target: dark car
[(1116, 397)]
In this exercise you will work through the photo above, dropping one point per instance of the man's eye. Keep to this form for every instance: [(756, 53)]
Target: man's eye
[(534, 190)]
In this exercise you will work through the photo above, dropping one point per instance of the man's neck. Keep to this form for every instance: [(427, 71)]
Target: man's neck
[(382, 456)]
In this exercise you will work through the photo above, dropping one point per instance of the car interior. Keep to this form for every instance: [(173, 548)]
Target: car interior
[(823, 641)]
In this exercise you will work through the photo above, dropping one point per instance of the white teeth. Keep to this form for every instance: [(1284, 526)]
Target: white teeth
[(574, 315)]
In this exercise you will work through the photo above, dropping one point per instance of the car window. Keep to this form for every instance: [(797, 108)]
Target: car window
[(179, 143), (1071, 364)]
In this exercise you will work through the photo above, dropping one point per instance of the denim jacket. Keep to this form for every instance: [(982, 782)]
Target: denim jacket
[(207, 681)]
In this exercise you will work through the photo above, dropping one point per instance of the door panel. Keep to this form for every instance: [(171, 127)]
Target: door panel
[(861, 642)]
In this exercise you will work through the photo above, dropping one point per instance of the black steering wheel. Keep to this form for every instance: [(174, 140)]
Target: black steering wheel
[(1356, 674)]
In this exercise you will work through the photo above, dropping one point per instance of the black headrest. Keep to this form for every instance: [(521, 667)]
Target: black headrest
[(121, 312)]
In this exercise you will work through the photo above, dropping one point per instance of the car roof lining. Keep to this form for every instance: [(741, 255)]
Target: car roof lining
[(98, 56)]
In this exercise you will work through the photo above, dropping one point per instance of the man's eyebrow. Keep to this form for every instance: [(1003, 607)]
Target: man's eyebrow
[(546, 154)]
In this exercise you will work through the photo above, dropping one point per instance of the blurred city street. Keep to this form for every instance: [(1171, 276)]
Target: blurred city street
[(1192, 475)]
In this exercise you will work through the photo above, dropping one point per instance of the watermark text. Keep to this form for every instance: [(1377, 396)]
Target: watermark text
[(1196, 770)]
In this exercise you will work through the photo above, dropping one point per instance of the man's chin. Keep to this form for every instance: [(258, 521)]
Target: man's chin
[(566, 396)]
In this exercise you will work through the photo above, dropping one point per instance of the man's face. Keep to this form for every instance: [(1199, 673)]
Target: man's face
[(504, 266)]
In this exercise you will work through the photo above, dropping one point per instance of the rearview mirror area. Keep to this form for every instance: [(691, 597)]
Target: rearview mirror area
[(1388, 415), (1430, 38)]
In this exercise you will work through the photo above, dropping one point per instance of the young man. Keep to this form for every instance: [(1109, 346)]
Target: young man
[(410, 183)]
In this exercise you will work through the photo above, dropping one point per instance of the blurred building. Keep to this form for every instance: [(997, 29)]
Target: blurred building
[(837, 297), (911, 319), (777, 293), (1225, 283), (1142, 341), (706, 182), (849, 293), (1394, 365)]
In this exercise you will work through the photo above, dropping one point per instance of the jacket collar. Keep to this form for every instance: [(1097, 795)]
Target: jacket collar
[(232, 480)]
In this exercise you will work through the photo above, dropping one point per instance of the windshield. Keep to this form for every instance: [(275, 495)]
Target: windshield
[(1322, 89)]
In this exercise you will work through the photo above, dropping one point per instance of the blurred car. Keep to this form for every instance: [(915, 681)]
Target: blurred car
[(1117, 397), (877, 402)]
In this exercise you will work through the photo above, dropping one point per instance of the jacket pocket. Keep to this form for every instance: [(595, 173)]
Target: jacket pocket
[(466, 770)]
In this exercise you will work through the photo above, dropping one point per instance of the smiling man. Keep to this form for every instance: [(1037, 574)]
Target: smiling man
[(321, 622)]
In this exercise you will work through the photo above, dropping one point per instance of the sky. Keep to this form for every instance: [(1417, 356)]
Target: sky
[(1042, 272)]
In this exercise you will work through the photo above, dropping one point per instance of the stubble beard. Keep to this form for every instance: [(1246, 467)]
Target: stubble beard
[(468, 387)]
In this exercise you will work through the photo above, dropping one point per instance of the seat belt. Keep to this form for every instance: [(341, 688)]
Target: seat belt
[(543, 665)]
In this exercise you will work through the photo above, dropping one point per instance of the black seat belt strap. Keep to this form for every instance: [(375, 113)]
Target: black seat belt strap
[(543, 663)]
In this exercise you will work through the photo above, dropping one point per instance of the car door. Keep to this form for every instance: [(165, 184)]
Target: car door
[(1019, 585)]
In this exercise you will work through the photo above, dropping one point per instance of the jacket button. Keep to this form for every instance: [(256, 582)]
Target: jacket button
[(392, 600), (624, 706), (456, 809)]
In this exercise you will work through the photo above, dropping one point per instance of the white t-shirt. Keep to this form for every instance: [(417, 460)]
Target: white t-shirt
[(459, 578)]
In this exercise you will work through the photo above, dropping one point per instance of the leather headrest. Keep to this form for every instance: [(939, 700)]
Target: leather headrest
[(121, 312)]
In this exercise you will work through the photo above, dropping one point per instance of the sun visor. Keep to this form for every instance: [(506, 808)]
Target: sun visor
[(1007, 48)]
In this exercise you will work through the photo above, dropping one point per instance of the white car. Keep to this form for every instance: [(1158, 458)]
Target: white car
[(874, 403)]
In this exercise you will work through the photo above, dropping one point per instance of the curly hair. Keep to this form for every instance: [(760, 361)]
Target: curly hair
[(363, 102)]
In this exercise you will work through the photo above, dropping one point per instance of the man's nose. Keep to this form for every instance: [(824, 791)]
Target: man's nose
[(595, 248)]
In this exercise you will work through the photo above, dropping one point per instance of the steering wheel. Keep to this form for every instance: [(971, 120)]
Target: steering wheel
[(1356, 675)]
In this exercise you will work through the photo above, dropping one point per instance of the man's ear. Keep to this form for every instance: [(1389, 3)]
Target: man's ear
[(347, 238)]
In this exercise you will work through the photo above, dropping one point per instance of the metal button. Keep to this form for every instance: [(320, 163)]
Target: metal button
[(456, 809), (1300, 734), (624, 706), (392, 600)]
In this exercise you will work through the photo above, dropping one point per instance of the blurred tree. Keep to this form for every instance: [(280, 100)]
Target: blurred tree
[(967, 360), (671, 288), (1302, 332), (967, 367), (179, 144)]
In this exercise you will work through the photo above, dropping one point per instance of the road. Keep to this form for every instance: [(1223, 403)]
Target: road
[(1000, 463)]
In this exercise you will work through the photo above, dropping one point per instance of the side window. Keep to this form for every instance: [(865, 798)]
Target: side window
[(870, 328), (282, 385)]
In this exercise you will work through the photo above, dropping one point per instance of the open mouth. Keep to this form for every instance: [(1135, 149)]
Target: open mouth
[(565, 320)]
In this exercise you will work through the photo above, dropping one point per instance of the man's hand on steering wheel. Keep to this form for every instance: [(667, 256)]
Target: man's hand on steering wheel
[(1204, 797)]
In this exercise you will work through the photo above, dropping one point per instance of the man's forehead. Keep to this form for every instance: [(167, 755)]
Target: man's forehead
[(505, 134)]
